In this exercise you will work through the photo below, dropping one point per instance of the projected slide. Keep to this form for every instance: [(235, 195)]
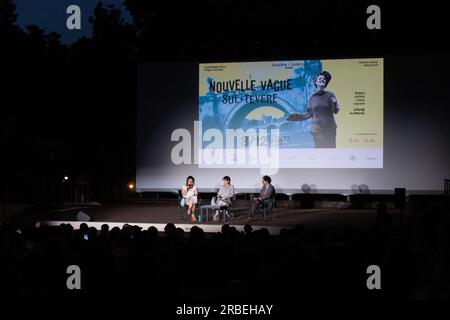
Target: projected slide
[(291, 114)]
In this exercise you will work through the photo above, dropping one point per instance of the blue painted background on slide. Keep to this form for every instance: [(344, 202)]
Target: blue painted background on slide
[(214, 113)]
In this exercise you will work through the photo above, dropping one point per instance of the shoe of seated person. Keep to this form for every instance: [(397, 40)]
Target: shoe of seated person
[(216, 216)]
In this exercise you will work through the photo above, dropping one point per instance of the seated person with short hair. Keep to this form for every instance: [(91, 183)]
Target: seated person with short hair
[(267, 192), (224, 196)]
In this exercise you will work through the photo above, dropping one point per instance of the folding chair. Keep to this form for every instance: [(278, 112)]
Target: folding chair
[(182, 209), (267, 208)]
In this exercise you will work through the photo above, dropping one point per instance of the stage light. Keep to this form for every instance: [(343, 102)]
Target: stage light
[(66, 178), (131, 186)]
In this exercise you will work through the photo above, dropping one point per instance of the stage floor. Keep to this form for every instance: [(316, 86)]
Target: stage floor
[(159, 215)]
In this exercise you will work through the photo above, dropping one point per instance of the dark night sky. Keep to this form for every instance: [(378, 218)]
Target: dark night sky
[(51, 15)]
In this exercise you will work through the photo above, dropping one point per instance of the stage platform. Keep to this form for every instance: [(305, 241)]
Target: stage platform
[(146, 215)]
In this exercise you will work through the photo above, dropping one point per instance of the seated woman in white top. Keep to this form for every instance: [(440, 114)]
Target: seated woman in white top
[(225, 195), (190, 194)]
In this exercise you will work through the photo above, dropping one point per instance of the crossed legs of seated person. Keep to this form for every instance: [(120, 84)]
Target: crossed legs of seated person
[(191, 208), (254, 206), (220, 203)]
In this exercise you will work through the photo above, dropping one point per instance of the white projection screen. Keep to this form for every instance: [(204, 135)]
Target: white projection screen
[(325, 124)]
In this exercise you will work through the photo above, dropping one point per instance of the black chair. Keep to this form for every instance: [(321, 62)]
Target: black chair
[(227, 212), (267, 206)]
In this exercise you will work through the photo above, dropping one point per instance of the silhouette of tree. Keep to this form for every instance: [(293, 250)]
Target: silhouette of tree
[(8, 15), (162, 32), (111, 35), (36, 40), (55, 49), (106, 22), (11, 36)]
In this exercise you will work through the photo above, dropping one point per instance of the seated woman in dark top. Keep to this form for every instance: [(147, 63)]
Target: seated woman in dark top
[(267, 192), (322, 106)]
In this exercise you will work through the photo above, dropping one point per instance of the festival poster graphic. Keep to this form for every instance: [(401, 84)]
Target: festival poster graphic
[(326, 113)]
